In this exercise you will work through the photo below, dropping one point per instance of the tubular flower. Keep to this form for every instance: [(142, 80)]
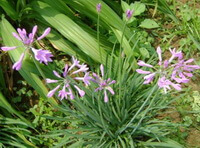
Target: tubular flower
[(180, 72), (42, 55), (129, 13), (66, 83), (28, 40), (103, 84), (98, 7), (165, 84)]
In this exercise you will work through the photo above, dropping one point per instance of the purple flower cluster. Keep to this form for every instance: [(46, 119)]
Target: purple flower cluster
[(70, 75), (103, 84), (171, 72), (67, 85), (28, 40), (98, 7)]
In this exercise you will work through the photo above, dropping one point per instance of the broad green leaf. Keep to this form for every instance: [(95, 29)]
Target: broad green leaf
[(4, 104), (125, 6), (149, 24), (61, 7), (137, 8), (32, 79), (125, 43), (69, 29), (144, 52), (8, 8), (109, 19)]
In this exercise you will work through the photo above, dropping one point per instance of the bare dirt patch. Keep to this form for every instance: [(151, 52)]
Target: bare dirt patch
[(193, 140)]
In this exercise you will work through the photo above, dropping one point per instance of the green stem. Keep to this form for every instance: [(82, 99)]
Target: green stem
[(174, 4), (53, 101), (40, 71), (120, 60), (98, 39)]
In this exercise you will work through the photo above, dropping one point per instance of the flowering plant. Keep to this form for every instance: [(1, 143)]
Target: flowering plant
[(171, 72), (28, 41), (65, 81), (112, 107)]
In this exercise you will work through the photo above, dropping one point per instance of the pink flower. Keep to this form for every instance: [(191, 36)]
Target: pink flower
[(66, 83), (140, 71), (149, 78), (42, 55), (18, 64), (142, 63), (28, 40), (81, 92), (46, 32), (86, 79), (165, 84), (8, 48), (180, 72), (129, 13), (159, 52), (62, 93), (82, 68), (175, 54), (103, 84), (98, 7), (52, 92)]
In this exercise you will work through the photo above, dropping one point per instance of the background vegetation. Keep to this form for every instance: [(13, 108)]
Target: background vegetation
[(137, 116)]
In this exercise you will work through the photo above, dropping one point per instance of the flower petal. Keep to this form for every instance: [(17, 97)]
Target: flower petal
[(8, 48), (18, 64), (142, 63), (46, 32), (188, 74), (98, 7), (65, 70), (105, 96), (102, 70), (159, 52), (42, 55), (81, 92), (140, 71), (16, 36), (56, 74), (176, 86), (52, 92), (71, 94), (34, 30), (110, 90), (51, 81)]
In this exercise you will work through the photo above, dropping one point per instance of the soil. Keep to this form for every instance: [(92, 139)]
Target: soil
[(171, 113), (193, 140)]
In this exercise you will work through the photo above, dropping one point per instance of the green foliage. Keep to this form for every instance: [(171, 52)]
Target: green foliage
[(196, 105), (137, 7), (14, 132), (9, 40), (149, 24), (127, 120), (9, 9)]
